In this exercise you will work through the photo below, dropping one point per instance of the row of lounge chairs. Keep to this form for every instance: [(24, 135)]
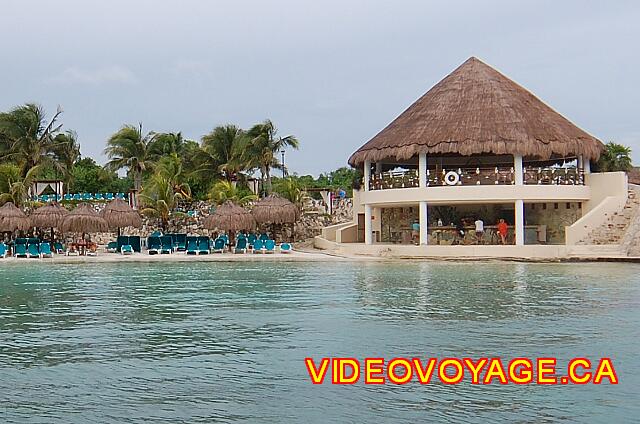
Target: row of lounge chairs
[(28, 248), (85, 197)]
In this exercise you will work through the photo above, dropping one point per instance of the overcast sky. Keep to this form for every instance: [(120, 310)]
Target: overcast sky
[(333, 73)]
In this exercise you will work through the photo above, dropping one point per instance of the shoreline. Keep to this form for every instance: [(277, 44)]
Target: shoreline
[(302, 255)]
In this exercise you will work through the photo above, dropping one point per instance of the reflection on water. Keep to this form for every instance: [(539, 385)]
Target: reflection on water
[(207, 342)]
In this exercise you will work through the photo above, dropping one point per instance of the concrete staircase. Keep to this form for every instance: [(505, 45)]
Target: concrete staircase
[(613, 232)]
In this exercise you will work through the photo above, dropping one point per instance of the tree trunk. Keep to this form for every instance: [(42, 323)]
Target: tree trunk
[(268, 190), (137, 180)]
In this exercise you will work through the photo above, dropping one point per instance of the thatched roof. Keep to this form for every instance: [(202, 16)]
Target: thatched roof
[(274, 209), (476, 110), (13, 219), (119, 214), (230, 217), (48, 216), (84, 219)]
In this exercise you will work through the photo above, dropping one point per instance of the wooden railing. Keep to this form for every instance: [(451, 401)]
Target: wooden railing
[(477, 176)]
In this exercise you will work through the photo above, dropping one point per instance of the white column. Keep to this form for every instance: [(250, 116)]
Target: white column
[(422, 170), (587, 166), (368, 230), (519, 228), (517, 168), (424, 224), (378, 167), (367, 174)]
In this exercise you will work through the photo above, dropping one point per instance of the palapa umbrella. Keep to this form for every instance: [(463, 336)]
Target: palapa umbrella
[(49, 216), (274, 209), (230, 217), (13, 219), (84, 219), (119, 214)]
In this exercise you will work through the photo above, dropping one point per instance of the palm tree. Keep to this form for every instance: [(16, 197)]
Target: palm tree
[(616, 157), (167, 144), (264, 148), (160, 200), (27, 138), (14, 187), (129, 148), (66, 153), (165, 190), (224, 190), (289, 188), (223, 152)]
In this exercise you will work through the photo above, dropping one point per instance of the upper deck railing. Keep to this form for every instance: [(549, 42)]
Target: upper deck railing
[(532, 175)]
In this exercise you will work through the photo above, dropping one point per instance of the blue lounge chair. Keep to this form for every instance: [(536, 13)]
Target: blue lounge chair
[(269, 246), (3, 250), (112, 247), (58, 247), (134, 242), (45, 250), (126, 249), (20, 250), (166, 245), (258, 246), (203, 245), (252, 239), (285, 248), (180, 242), (264, 237), (241, 245), (33, 251), (154, 245), (218, 245), (192, 246), (108, 196), (68, 197)]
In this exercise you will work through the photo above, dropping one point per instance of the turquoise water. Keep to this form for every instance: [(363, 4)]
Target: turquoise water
[(225, 342)]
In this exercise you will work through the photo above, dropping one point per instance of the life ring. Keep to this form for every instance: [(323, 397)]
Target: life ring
[(451, 178)]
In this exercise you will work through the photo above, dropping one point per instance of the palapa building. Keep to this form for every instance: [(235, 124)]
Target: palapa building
[(477, 147)]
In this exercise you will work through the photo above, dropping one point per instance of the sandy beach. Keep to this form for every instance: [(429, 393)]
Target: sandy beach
[(307, 255)]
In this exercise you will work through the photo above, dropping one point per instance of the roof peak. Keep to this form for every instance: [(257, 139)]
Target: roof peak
[(477, 109)]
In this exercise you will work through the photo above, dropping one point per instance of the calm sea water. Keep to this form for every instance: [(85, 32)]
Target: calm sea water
[(225, 342)]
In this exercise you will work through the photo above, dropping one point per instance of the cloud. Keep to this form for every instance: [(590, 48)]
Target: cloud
[(191, 67), (107, 74)]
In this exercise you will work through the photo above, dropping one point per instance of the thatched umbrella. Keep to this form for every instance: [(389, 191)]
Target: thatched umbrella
[(84, 219), (119, 214), (230, 217), (13, 219), (275, 210), (49, 216)]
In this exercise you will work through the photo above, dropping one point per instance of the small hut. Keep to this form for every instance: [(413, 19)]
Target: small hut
[(49, 216), (275, 210), (119, 214), (84, 219), (13, 219), (230, 217)]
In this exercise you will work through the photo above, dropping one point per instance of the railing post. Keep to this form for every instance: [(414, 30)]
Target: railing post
[(424, 224), (367, 174), (368, 228), (422, 170)]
